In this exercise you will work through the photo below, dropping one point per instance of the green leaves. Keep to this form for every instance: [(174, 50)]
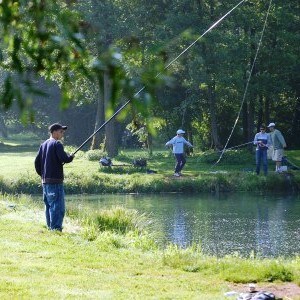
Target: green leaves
[(40, 38), (46, 38)]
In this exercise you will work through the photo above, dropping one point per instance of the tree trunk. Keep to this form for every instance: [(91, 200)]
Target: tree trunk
[(3, 128), (267, 110), (245, 121), (150, 143), (296, 124), (260, 117), (97, 138), (190, 139), (213, 116), (251, 105), (112, 131), (212, 89)]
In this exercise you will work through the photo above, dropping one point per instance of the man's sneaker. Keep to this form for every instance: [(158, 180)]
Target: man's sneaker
[(176, 175), (180, 174)]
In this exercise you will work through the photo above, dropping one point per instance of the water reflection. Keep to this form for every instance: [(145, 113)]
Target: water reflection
[(223, 224)]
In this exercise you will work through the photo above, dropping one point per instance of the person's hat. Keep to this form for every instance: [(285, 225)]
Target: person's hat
[(180, 131), (271, 125), (252, 287), (57, 126)]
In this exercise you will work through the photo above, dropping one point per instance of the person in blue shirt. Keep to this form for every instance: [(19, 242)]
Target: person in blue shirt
[(49, 165), (262, 141), (178, 143)]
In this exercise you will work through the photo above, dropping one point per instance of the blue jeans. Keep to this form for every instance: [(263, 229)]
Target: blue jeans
[(180, 162), (54, 199), (261, 157)]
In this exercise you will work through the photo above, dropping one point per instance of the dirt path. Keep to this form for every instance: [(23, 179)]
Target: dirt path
[(286, 291)]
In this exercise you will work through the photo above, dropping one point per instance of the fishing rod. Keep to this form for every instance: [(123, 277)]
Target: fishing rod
[(106, 122), (165, 68), (237, 146)]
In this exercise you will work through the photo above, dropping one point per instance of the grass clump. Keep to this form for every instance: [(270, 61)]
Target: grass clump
[(188, 259), (115, 228), (232, 268), (120, 220), (242, 270)]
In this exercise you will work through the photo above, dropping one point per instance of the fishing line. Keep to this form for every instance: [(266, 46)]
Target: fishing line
[(208, 30), (247, 84), (239, 146), (165, 68)]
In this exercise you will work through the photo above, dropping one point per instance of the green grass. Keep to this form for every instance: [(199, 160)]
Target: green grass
[(235, 172), (114, 264)]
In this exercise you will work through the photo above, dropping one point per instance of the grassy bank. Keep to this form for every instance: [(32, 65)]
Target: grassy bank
[(85, 175), (110, 255)]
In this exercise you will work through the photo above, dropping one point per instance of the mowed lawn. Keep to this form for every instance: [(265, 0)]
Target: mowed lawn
[(14, 164), (19, 163), (86, 263)]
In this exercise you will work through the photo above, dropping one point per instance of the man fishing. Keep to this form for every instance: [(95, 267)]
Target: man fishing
[(178, 143), (262, 142), (49, 165), (279, 144)]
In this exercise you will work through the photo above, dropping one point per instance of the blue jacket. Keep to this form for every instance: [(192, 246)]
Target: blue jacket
[(49, 161)]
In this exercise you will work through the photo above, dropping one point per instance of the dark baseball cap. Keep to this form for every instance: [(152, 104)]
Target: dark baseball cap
[(57, 126)]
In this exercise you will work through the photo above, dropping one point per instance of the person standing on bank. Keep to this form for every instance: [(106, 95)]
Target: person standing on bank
[(262, 141), (279, 144), (49, 165), (178, 143)]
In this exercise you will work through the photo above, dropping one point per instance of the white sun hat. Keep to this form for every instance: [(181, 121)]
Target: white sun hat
[(180, 131)]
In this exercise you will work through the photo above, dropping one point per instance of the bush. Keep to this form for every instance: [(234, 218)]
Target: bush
[(94, 155), (278, 272)]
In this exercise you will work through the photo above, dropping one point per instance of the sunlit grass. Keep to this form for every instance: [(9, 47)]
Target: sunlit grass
[(85, 175), (114, 264)]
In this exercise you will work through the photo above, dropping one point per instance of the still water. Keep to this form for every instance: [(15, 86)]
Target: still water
[(267, 226)]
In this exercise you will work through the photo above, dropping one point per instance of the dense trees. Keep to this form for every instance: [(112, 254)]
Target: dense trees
[(208, 81)]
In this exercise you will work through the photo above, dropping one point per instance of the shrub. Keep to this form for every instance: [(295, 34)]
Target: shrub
[(94, 155), (278, 272)]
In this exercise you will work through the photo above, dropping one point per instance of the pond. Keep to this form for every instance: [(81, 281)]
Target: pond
[(267, 226)]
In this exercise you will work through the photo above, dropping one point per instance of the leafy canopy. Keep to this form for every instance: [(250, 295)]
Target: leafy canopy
[(47, 38)]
